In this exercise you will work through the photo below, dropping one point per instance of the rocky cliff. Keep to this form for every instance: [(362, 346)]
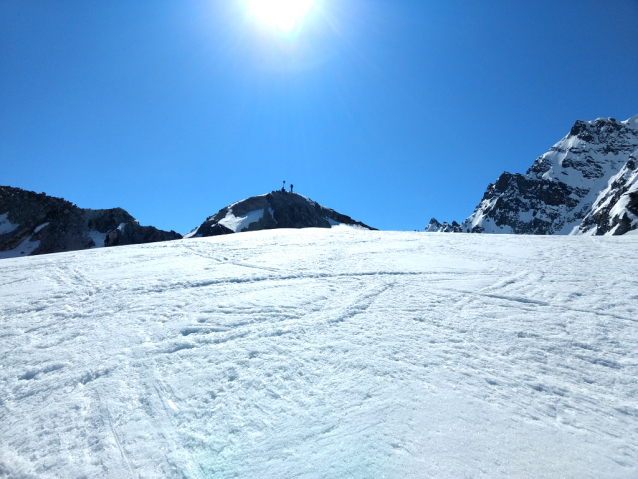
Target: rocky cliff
[(34, 223), (435, 227), (277, 209), (587, 183)]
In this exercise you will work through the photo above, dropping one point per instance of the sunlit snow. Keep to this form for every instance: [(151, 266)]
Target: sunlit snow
[(238, 223), (323, 353)]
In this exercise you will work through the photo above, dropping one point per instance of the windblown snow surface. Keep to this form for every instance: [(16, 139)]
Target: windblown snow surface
[(323, 353)]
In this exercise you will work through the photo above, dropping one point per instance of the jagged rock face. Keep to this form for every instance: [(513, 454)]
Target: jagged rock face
[(585, 184), (435, 227), (277, 209), (615, 211), (32, 223)]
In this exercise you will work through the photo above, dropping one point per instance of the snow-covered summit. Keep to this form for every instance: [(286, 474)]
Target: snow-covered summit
[(278, 209), (587, 169)]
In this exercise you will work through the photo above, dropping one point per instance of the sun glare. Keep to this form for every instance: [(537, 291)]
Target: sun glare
[(283, 15)]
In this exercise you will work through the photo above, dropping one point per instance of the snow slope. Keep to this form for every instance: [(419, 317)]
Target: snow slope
[(323, 353)]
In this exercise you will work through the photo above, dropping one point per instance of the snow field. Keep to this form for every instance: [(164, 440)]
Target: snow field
[(323, 353)]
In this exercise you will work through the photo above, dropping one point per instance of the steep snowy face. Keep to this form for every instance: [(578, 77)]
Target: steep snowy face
[(563, 186), (34, 223), (615, 211), (277, 209)]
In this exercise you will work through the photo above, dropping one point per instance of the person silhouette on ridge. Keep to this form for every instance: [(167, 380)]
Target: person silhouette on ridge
[(291, 185), (283, 188)]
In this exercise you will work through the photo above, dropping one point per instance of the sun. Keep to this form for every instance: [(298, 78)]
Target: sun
[(282, 15)]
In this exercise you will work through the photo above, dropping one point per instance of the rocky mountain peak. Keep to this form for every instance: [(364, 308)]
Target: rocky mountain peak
[(277, 209), (435, 227), (582, 185)]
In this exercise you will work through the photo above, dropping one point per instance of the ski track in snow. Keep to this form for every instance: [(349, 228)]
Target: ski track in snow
[(323, 353)]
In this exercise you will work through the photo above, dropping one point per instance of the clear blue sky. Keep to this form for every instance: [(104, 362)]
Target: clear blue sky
[(390, 111)]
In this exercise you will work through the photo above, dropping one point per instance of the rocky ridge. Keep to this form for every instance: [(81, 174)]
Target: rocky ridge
[(278, 209), (34, 223), (616, 209), (445, 227), (586, 183)]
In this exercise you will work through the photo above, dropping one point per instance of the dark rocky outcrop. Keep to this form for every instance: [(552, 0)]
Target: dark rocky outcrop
[(435, 227), (277, 209), (516, 193), (45, 224), (213, 229)]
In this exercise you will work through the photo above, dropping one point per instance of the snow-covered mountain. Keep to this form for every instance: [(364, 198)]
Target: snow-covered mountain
[(585, 184), (34, 223), (323, 353), (278, 209)]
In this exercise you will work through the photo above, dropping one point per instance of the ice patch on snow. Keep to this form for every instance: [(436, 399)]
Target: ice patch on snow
[(5, 225), (238, 223)]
